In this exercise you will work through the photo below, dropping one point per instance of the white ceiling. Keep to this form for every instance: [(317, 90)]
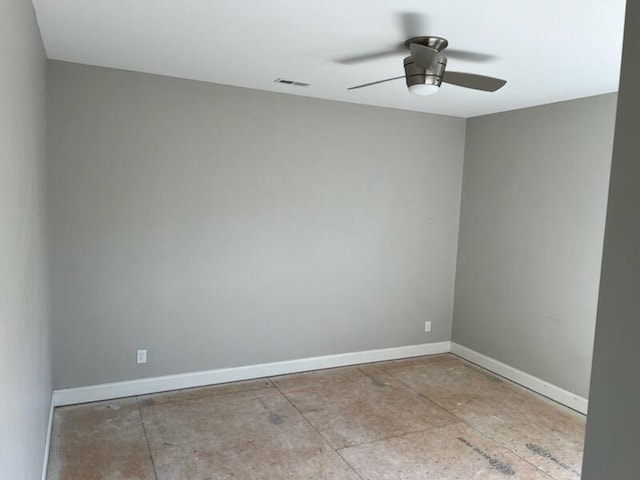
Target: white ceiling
[(548, 50)]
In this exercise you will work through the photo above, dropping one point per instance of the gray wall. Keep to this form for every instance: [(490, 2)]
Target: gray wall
[(219, 226), (25, 369), (612, 427), (532, 225)]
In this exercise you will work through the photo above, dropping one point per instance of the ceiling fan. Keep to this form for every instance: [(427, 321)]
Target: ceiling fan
[(425, 67)]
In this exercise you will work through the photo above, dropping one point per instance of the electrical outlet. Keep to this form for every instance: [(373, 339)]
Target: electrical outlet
[(427, 326), (141, 356)]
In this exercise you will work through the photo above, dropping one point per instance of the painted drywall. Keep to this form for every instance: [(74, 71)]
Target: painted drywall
[(532, 225), (25, 366), (218, 226), (611, 440)]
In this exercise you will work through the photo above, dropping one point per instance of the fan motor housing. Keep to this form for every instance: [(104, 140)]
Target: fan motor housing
[(437, 43), (432, 75)]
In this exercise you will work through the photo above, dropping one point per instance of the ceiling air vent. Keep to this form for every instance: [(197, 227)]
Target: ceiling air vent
[(291, 82)]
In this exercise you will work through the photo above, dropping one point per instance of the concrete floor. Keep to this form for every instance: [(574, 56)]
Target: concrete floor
[(435, 417)]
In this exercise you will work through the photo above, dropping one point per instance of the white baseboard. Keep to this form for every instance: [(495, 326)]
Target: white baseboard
[(553, 392), (47, 442), (92, 393), (108, 391)]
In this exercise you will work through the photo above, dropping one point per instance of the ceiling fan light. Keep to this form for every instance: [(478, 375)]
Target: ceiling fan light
[(423, 89)]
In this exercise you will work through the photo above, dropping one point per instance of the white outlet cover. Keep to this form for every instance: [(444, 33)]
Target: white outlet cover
[(141, 356), (427, 326)]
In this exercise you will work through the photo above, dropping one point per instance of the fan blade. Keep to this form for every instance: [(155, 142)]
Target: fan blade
[(471, 80), (375, 83), (413, 24), (423, 56), (469, 56), (365, 57)]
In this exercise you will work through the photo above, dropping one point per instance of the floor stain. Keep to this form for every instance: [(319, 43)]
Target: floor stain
[(379, 383), (146, 402), (274, 418)]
